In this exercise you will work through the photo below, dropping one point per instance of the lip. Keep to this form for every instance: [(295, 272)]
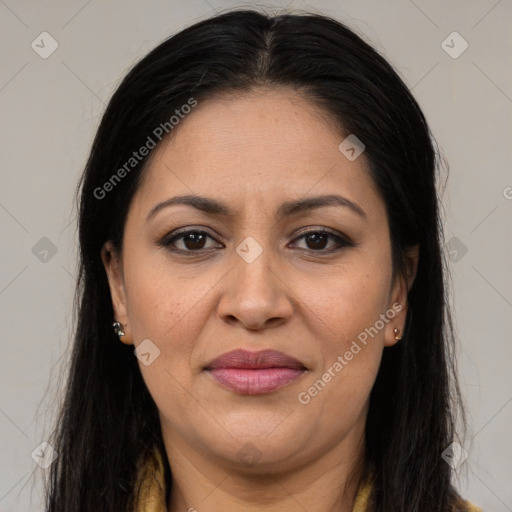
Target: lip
[(255, 373)]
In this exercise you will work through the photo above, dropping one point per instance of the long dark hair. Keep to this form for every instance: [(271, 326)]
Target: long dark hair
[(109, 420)]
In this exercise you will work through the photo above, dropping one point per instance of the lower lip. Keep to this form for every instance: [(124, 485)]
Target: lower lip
[(257, 381)]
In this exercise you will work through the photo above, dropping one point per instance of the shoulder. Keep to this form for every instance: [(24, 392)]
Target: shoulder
[(466, 506)]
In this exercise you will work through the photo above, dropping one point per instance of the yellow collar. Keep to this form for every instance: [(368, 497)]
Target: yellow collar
[(150, 489)]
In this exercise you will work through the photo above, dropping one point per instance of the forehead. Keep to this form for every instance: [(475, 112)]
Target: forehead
[(259, 147), (280, 121)]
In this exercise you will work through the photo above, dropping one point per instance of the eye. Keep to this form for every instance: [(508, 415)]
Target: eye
[(316, 241), (192, 240)]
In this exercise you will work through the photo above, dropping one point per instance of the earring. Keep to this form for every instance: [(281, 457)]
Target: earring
[(118, 329), (398, 334)]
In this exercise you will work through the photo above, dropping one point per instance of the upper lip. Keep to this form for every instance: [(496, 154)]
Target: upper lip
[(246, 359)]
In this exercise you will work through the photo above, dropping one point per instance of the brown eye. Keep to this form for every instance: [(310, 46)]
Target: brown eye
[(187, 241), (317, 241), (194, 241)]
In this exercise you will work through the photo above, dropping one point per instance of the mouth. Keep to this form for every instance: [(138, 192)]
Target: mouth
[(255, 373)]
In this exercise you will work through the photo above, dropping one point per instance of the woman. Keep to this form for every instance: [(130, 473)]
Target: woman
[(262, 321)]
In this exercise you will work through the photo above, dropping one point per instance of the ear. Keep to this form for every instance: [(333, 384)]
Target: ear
[(114, 270), (398, 299)]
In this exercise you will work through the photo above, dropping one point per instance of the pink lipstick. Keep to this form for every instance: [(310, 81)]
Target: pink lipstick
[(255, 373)]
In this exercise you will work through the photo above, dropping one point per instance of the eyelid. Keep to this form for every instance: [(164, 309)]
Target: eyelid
[(342, 239), (180, 232), (319, 229)]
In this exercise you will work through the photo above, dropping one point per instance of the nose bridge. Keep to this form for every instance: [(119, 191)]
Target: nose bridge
[(254, 293), (254, 272)]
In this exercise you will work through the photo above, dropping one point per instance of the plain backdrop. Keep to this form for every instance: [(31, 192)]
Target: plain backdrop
[(51, 105)]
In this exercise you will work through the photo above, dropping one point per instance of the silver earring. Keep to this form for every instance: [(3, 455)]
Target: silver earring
[(398, 334), (118, 329)]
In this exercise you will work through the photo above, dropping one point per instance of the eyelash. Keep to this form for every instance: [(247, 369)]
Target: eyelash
[(341, 242)]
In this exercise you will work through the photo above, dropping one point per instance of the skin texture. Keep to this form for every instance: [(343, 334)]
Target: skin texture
[(254, 152)]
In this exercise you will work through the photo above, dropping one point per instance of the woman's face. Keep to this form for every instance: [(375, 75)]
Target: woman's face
[(252, 281)]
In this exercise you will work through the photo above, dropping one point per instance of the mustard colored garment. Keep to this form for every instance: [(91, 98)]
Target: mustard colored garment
[(150, 496)]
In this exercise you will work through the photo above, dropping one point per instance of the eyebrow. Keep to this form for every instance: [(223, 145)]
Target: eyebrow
[(217, 208)]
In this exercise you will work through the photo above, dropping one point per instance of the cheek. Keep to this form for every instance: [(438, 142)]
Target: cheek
[(345, 303), (345, 309), (170, 310), (160, 301)]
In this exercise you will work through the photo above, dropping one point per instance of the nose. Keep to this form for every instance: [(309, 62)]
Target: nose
[(255, 295)]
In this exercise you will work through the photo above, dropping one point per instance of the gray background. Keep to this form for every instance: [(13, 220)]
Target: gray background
[(51, 107)]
